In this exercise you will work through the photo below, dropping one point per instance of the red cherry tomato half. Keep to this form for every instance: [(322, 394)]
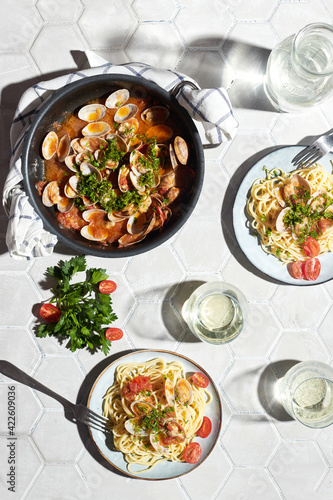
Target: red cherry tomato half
[(296, 270), (107, 286), (200, 380), (50, 313), (192, 453), (205, 428), (311, 268), (114, 334), (311, 247)]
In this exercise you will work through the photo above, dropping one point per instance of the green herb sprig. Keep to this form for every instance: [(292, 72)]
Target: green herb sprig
[(84, 310)]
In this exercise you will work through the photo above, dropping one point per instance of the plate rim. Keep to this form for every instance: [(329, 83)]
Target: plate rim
[(239, 230), (172, 353)]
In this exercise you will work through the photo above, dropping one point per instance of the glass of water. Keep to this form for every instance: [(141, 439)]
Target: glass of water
[(306, 392), (215, 312), (299, 72)]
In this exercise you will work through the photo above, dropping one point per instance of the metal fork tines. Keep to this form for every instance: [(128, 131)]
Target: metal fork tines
[(90, 418), (311, 154)]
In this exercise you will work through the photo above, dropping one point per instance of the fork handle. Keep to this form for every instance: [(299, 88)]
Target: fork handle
[(15, 373)]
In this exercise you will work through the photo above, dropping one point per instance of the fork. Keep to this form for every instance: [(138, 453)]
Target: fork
[(81, 412), (314, 152)]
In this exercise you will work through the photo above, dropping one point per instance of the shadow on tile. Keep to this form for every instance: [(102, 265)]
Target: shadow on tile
[(268, 388)]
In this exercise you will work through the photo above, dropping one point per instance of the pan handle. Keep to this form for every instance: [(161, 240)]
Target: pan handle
[(176, 89)]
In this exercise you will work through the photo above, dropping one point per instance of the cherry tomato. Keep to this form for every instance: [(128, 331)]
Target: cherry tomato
[(50, 312), (136, 385), (200, 380), (311, 247), (114, 334), (205, 428), (296, 270), (192, 453), (107, 286), (311, 268)]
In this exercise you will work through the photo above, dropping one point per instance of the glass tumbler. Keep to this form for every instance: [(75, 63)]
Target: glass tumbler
[(215, 312), (306, 392), (299, 71)]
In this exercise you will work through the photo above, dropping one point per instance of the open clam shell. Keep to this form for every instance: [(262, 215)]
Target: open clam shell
[(117, 99), (141, 408), (64, 205), (125, 113), (51, 194), (132, 425), (50, 145), (155, 441), (64, 147), (92, 112), (137, 223), (96, 129), (280, 226), (183, 392), (88, 169), (155, 115), (169, 391), (181, 149)]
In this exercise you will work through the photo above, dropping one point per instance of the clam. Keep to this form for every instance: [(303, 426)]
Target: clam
[(280, 226), (96, 128), (135, 179), (173, 193), (133, 426), (117, 99), (131, 209), (113, 218), (156, 442), (175, 432), (162, 133), (173, 158), (123, 178), (134, 142), (141, 408), (138, 162), (169, 391), (51, 194), (183, 392), (167, 182), (64, 147), (163, 215), (109, 164), (76, 146), (93, 143), (73, 181), (50, 145), (137, 223), (278, 193), (125, 113), (120, 143), (128, 129), (181, 149), (89, 169), (70, 162), (64, 205), (155, 115), (296, 186), (145, 203), (130, 239), (69, 191), (92, 112), (95, 230)]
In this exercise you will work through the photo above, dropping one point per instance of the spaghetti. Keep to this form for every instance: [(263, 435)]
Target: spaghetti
[(307, 212), (154, 412)]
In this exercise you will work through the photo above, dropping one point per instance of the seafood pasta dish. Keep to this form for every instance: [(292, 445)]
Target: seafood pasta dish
[(293, 215), (116, 169), (155, 413)]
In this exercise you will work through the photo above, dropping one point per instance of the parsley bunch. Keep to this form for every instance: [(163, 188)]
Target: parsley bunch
[(84, 310)]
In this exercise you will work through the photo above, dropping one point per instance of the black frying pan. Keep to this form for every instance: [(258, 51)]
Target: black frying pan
[(68, 99)]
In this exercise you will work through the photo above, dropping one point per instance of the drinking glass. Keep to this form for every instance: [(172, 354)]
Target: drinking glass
[(299, 71), (215, 312), (306, 392)]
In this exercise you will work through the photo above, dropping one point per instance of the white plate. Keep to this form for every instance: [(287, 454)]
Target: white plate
[(167, 469), (267, 263)]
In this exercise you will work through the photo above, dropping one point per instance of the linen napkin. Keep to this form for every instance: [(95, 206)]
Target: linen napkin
[(210, 109)]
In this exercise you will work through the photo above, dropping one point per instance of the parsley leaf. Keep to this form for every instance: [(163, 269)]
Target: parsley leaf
[(84, 310)]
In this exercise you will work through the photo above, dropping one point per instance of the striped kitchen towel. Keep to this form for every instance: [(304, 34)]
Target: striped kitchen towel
[(210, 109)]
